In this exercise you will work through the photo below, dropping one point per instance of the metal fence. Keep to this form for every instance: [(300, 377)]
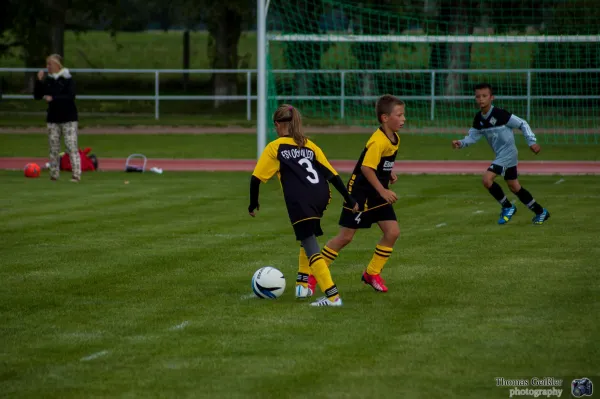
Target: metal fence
[(432, 96)]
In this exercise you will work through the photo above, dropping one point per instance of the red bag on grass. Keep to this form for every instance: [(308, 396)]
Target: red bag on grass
[(89, 162)]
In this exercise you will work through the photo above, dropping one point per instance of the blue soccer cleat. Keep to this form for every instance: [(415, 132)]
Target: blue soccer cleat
[(506, 214), (541, 218)]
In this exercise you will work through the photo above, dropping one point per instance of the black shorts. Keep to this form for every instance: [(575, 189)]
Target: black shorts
[(508, 173), (364, 220), (306, 228)]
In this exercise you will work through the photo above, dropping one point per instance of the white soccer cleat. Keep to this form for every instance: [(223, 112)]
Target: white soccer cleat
[(302, 292), (324, 301)]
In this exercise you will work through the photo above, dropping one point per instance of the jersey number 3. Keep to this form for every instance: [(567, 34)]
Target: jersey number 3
[(313, 176)]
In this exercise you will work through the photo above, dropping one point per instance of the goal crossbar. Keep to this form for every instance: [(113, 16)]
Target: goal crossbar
[(345, 38)]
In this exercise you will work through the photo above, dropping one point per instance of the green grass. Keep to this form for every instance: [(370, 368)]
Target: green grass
[(243, 146), (108, 269), (164, 50)]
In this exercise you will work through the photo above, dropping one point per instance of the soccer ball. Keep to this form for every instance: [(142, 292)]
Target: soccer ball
[(268, 283), (32, 170)]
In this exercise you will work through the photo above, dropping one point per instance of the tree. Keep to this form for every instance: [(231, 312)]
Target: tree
[(304, 16), (38, 26), (224, 21)]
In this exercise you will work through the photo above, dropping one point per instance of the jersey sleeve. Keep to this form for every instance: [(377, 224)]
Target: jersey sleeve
[(268, 164), (517, 123), (326, 167), (472, 138), (373, 155)]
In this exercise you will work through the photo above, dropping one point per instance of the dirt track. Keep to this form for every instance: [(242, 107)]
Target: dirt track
[(402, 167)]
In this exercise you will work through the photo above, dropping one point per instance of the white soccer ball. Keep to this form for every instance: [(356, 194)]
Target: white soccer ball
[(268, 283)]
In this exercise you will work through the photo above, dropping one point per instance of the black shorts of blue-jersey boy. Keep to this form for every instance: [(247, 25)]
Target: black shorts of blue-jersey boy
[(509, 173)]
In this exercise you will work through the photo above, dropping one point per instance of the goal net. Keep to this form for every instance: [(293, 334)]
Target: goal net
[(332, 59)]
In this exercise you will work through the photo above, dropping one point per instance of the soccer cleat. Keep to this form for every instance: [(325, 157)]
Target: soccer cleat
[(312, 283), (303, 292), (541, 218), (324, 301), (374, 281), (506, 214)]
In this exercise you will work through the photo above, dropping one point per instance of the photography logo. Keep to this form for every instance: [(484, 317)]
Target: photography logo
[(581, 387)]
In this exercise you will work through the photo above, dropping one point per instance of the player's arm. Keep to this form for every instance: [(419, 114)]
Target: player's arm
[(517, 123), (472, 138), (369, 167), (333, 177), (267, 166)]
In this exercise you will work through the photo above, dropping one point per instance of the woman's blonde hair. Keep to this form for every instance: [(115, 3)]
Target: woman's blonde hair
[(290, 115), (56, 58)]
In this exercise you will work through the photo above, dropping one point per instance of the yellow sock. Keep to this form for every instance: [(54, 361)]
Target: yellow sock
[(381, 255), (303, 269), (321, 272), (329, 255)]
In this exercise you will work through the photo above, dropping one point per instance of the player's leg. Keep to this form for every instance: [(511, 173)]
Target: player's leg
[(349, 223), (302, 288), (69, 131), (319, 269), (54, 149), (541, 213), (333, 247), (387, 222), (508, 209)]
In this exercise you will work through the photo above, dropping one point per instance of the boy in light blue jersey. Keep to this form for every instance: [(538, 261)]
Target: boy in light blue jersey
[(496, 124)]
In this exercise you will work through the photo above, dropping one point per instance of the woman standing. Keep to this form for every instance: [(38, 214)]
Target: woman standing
[(58, 90)]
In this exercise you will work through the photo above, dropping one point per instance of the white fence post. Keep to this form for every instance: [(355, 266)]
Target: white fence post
[(156, 95), (432, 95), (342, 93), (249, 95), (528, 95)]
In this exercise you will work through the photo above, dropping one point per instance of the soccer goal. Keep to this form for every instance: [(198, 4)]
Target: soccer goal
[(332, 59)]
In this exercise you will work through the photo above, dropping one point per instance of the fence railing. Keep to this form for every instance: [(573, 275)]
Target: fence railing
[(248, 97)]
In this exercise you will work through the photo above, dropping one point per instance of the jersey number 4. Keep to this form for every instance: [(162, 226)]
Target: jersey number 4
[(313, 175)]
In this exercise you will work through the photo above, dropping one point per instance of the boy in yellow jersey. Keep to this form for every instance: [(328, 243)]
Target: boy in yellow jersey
[(368, 185), (304, 172)]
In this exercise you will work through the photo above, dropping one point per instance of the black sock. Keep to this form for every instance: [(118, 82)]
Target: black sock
[(526, 198), (498, 194)]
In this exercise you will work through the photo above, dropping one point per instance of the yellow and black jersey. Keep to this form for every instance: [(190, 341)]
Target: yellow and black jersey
[(304, 174), (379, 154)]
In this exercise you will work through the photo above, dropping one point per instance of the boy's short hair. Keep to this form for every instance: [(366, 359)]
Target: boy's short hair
[(385, 105), (481, 86)]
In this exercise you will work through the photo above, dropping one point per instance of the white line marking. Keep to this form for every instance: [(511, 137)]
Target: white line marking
[(94, 356), (478, 212), (248, 296), (560, 181), (180, 326), (441, 225)]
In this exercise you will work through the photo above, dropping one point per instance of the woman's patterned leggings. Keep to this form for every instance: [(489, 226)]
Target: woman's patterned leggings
[(69, 132)]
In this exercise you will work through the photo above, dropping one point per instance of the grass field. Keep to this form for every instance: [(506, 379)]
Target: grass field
[(243, 146), (558, 117), (142, 290)]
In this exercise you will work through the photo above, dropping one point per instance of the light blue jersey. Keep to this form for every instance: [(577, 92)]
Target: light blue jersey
[(497, 127)]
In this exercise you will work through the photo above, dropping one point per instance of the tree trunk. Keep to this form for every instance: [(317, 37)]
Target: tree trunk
[(58, 15), (225, 30), (186, 58), (369, 54), (304, 55), (37, 46), (459, 56)]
